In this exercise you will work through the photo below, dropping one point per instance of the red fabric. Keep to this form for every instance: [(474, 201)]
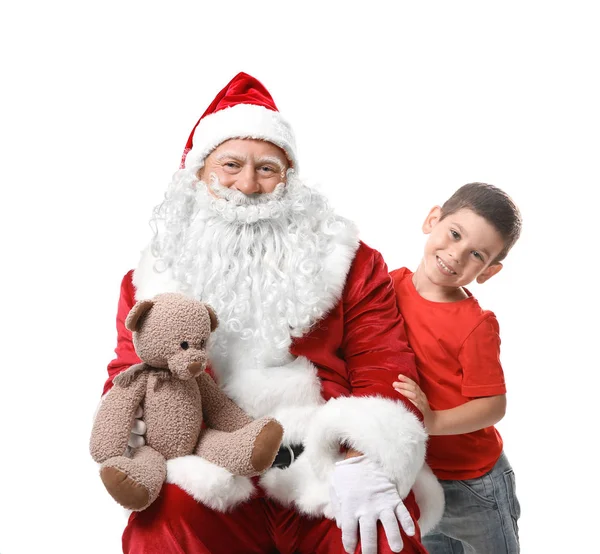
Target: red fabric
[(358, 349), (242, 89), (175, 522), (125, 351), (457, 345)]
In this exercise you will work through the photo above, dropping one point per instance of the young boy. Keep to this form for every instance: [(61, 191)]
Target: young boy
[(462, 391)]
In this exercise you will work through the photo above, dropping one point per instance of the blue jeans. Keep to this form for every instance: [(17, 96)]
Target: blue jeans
[(480, 516)]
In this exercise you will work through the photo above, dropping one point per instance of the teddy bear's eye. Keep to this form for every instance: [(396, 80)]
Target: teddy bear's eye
[(202, 343), (184, 345)]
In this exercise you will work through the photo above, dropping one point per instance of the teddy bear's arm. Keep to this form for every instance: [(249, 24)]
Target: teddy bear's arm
[(113, 421), (219, 411)]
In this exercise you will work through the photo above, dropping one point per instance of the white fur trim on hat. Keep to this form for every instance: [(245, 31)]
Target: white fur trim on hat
[(240, 121)]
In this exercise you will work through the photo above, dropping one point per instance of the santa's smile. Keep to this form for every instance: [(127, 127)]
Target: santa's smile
[(444, 268)]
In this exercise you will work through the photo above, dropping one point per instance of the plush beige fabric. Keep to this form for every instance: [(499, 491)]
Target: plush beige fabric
[(170, 333)]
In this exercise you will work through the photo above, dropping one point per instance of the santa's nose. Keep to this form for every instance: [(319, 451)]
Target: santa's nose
[(247, 181)]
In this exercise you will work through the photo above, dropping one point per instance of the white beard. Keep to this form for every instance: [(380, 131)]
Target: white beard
[(262, 262)]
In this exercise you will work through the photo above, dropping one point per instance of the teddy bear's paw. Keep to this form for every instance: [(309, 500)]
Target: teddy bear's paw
[(266, 444), (125, 490)]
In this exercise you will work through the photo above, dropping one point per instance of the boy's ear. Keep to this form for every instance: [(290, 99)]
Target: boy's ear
[(432, 219), (488, 273)]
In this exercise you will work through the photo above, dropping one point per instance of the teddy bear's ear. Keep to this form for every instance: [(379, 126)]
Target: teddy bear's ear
[(136, 313), (214, 320)]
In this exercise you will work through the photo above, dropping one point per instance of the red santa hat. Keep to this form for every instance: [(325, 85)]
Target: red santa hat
[(243, 109)]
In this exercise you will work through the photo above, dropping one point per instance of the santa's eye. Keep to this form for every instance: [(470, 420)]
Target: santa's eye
[(184, 345)]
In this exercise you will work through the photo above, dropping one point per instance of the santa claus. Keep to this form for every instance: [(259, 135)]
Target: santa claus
[(309, 334)]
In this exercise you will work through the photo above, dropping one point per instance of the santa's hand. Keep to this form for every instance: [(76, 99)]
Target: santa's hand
[(362, 495), (138, 430)]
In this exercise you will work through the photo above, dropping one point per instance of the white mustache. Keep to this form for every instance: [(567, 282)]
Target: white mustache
[(236, 207), (239, 198)]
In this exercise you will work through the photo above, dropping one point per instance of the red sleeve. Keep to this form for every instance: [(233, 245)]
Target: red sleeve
[(479, 358), (375, 346), (125, 352)]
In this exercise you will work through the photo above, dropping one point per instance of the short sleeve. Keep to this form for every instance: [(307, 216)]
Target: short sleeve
[(480, 361)]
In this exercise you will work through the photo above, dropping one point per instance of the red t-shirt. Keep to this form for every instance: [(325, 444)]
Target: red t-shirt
[(457, 347)]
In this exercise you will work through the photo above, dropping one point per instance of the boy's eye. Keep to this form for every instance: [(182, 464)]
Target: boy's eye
[(478, 255), (455, 234)]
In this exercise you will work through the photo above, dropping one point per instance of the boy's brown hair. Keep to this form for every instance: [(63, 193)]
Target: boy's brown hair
[(494, 205)]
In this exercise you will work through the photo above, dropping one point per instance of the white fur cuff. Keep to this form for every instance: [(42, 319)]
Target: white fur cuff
[(429, 495), (208, 483), (383, 429)]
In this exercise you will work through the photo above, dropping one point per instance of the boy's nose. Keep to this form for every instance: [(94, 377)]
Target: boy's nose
[(456, 255)]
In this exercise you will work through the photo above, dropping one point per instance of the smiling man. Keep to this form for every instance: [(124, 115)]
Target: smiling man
[(309, 334)]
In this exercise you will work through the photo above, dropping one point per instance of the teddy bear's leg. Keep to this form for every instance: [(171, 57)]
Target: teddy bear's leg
[(135, 482), (247, 451)]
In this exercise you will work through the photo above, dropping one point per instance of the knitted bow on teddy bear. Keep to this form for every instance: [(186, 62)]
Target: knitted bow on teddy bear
[(169, 335)]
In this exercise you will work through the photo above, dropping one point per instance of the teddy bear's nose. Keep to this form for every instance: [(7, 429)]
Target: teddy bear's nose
[(196, 368)]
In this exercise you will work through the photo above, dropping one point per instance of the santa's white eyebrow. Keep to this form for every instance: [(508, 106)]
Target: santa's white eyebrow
[(234, 155), (270, 160)]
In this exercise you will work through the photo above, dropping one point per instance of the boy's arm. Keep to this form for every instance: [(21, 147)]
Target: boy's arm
[(474, 415)]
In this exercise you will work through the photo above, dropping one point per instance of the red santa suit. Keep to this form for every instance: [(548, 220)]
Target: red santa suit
[(327, 379)]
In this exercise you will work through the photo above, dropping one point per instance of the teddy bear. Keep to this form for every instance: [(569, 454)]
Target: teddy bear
[(170, 333)]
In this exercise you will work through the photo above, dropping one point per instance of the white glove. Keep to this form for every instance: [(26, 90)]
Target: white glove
[(361, 495), (138, 430)]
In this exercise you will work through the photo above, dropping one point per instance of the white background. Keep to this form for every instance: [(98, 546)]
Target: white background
[(393, 110)]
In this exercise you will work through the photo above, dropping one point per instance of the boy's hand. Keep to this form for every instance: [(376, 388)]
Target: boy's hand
[(408, 388)]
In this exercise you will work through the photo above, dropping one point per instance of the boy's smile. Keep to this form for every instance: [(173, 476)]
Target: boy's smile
[(445, 268)]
